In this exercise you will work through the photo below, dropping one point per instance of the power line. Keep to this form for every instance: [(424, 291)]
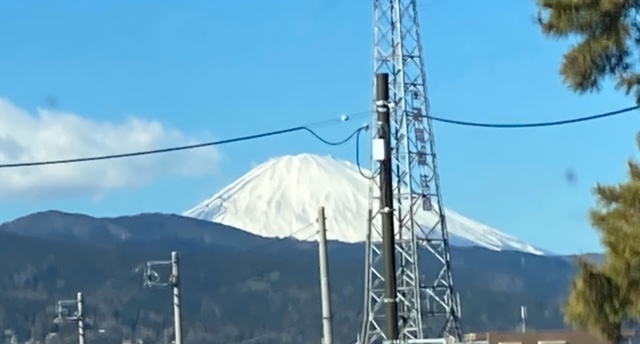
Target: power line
[(523, 125), (308, 129), (535, 124), (187, 147), (501, 126), (358, 164)]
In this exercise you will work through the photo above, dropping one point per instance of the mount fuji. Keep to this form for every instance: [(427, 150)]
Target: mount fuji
[(280, 199)]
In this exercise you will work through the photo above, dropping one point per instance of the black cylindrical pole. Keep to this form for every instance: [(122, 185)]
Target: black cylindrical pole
[(386, 207)]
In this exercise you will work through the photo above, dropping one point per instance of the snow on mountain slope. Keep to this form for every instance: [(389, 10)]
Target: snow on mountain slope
[(280, 198)]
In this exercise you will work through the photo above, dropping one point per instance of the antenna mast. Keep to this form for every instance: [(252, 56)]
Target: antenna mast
[(416, 189)]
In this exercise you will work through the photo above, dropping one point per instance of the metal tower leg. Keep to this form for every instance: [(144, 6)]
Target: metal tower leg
[(398, 52)]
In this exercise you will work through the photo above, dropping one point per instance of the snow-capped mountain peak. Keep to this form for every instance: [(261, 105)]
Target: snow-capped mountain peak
[(280, 198)]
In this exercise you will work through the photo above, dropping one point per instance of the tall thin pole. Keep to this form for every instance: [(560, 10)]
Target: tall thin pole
[(80, 316), (175, 282), (327, 331), (523, 318), (386, 206), (397, 50)]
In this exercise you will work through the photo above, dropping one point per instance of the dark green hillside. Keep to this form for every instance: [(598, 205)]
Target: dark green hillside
[(235, 291)]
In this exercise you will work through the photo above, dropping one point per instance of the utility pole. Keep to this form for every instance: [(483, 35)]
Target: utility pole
[(152, 279), (382, 153), (418, 210), (327, 331), (72, 311), (523, 319), (175, 282), (80, 301)]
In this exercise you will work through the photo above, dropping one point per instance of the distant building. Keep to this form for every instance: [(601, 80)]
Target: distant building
[(540, 337)]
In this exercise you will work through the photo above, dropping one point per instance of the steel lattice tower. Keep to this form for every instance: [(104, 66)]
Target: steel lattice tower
[(427, 307)]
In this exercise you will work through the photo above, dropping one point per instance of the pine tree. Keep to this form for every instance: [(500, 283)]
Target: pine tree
[(608, 41), (604, 296)]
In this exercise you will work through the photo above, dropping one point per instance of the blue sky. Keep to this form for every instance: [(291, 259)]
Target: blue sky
[(227, 68)]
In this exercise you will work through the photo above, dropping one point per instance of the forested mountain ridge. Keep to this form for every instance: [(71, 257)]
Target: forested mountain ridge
[(235, 286)]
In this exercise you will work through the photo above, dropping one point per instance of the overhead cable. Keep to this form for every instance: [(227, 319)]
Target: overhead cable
[(525, 125), (535, 124), (183, 148), (308, 129)]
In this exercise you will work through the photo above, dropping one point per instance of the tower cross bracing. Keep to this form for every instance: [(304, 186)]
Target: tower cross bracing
[(427, 304)]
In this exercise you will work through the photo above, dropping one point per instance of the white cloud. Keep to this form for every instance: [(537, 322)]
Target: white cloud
[(51, 135)]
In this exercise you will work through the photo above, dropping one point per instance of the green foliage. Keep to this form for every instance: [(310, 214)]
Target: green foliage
[(608, 39), (595, 303), (603, 297)]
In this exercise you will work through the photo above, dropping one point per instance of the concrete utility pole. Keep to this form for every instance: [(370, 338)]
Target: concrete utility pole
[(152, 279), (523, 319), (386, 206), (327, 330), (80, 301), (175, 282), (72, 311)]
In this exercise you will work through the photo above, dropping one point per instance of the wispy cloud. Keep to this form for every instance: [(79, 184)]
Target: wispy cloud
[(51, 134)]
